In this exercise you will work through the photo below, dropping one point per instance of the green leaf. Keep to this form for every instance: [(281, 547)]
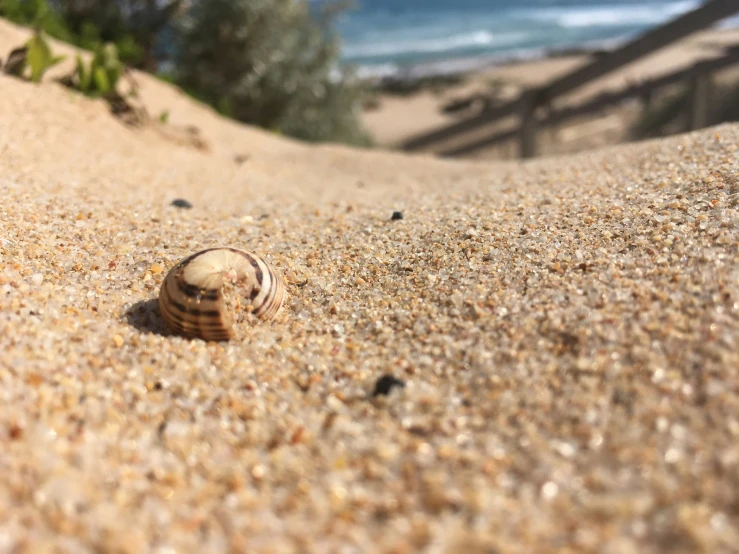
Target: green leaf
[(113, 75), (110, 54), (39, 56), (89, 36), (98, 60), (56, 59), (101, 80), (84, 77)]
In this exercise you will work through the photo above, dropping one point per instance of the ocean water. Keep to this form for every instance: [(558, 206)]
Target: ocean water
[(385, 37)]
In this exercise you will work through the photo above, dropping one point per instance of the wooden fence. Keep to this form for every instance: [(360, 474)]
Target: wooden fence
[(697, 77), (527, 104)]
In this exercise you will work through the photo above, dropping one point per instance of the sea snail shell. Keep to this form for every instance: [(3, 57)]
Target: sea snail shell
[(212, 293)]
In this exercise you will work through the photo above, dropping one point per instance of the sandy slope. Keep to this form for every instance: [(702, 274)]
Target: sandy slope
[(567, 331)]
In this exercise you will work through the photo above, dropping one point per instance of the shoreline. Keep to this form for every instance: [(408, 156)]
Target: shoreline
[(462, 65), (455, 67), (404, 108)]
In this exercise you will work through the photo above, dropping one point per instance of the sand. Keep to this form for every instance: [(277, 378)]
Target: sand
[(566, 330)]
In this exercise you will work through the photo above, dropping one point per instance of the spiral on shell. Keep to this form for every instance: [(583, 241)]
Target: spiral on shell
[(213, 293)]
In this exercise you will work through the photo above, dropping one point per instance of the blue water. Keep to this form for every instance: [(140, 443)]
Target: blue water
[(385, 36)]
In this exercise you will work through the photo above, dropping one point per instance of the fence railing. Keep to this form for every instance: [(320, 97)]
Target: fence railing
[(527, 104), (697, 77)]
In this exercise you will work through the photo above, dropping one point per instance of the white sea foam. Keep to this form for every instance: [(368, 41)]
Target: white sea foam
[(478, 37), (615, 15), (377, 71)]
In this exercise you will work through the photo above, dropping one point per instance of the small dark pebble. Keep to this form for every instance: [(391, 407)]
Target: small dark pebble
[(396, 216), (385, 384), (181, 203)]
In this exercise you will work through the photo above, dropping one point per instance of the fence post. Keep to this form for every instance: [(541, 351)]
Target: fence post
[(699, 88), (527, 128)]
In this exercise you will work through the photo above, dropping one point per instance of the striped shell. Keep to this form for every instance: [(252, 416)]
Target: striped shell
[(213, 293)]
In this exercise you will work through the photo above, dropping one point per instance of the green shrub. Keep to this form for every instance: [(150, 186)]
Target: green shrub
[(38, 14), (407, 86), (101, 77), (130, 52), (39, 57), (270, 63), (134, 26)]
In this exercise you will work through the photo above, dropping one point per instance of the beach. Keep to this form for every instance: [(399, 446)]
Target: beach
[(396, 118), (564, 331)]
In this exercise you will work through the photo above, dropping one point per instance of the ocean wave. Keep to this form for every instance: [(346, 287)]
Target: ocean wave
[(615, 15), (383, 44), (453, 42), (377, 71), (460, 65)]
